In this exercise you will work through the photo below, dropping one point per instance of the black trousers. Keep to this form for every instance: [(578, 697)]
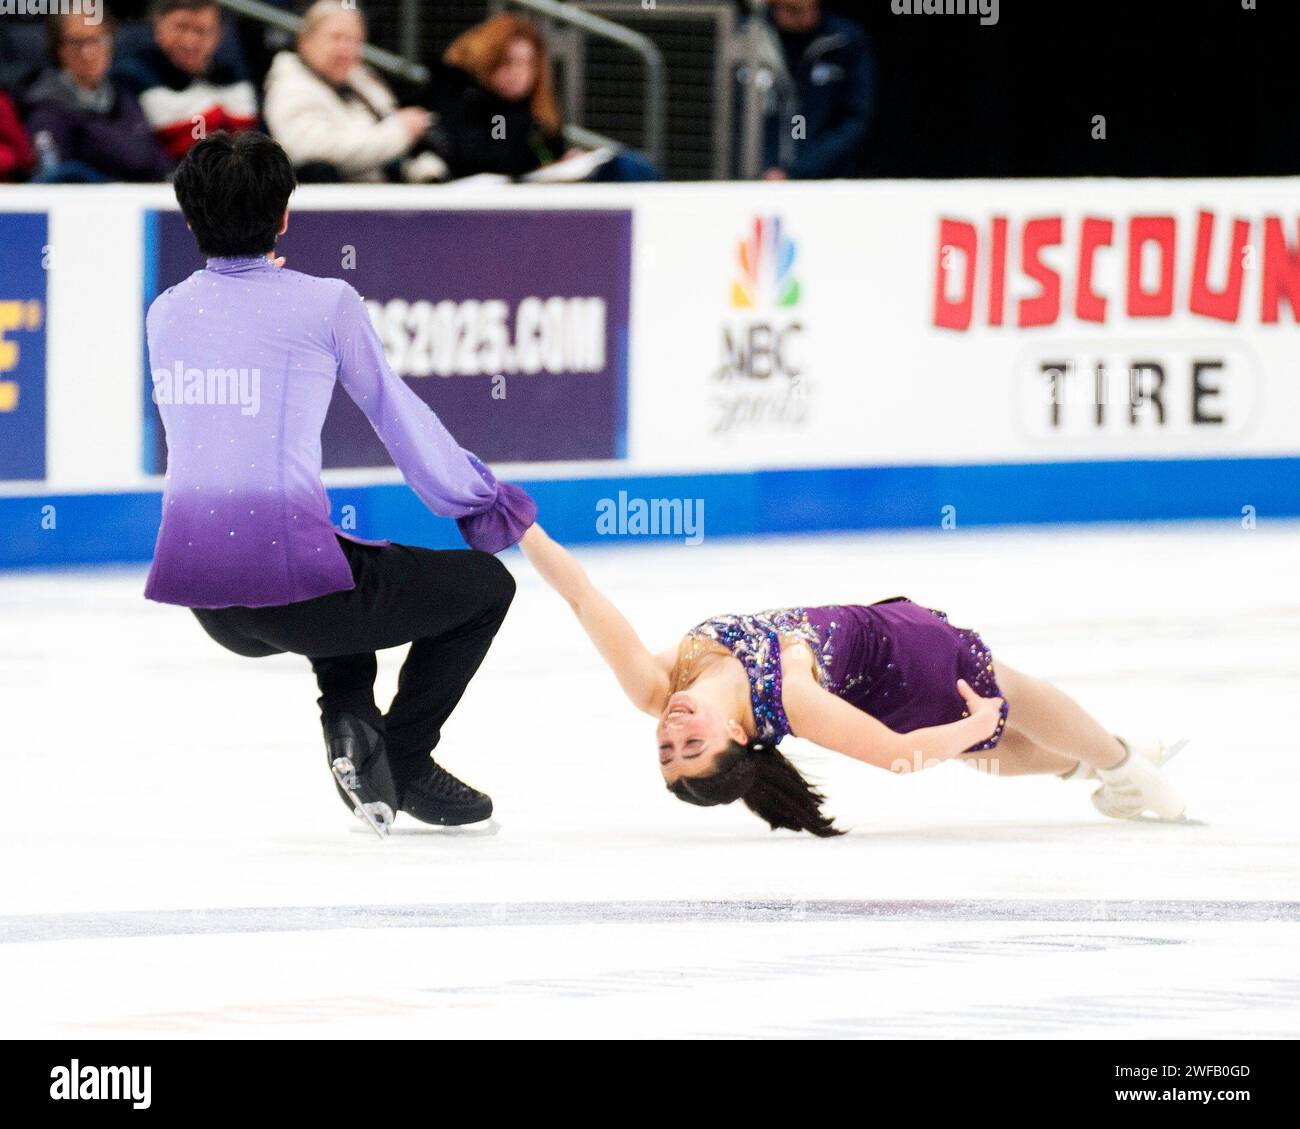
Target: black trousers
[(446, 604)]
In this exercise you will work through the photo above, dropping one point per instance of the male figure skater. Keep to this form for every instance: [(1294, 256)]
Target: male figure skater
[(246, 539)]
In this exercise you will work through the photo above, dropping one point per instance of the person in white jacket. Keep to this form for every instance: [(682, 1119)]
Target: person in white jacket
[(336, 119)]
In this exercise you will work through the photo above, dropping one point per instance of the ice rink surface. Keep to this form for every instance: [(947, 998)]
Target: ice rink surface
[(176, 862)]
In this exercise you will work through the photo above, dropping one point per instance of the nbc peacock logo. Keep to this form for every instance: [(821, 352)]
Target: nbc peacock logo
[(766, 259), (761, 384)]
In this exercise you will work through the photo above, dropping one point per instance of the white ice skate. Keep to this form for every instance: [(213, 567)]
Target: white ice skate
[(1153, 750), (1137, 785)]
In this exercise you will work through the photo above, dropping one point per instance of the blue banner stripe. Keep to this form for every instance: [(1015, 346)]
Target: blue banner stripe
[(108, 528)]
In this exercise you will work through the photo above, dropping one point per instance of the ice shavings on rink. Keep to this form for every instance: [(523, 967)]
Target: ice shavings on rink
[(178, 864)]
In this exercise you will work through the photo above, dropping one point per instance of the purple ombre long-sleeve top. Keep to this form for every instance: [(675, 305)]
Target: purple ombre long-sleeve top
[(245, 518)]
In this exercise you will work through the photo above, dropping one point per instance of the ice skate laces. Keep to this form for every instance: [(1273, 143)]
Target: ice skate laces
[(439, 784)]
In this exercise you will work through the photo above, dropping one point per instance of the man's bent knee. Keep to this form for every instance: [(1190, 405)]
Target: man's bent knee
[(499, 581)]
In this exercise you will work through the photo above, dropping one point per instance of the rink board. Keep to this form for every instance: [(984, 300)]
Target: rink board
[(815, 356), (60, 530)]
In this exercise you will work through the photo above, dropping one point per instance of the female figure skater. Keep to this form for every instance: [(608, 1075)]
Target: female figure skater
[(893, 684)]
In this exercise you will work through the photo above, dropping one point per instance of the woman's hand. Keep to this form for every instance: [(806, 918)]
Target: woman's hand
[(828, 721), (416, 120), (985, 713)]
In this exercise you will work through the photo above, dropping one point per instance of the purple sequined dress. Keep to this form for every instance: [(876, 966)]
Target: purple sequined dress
[(895, 660)]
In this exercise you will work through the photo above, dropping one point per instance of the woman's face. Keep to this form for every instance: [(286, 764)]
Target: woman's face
[(691, 733), (333, 48), (516, 77)]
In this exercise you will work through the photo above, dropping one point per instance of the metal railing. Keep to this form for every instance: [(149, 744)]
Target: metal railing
[(751, 82), (702, 103), (754, 56)]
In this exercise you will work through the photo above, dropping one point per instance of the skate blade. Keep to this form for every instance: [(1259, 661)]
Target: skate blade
[(378, 815), (1182, 820), (484, 828)]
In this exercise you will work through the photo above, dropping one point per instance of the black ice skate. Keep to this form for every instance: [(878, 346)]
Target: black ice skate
[(356, 756), (435, 796)]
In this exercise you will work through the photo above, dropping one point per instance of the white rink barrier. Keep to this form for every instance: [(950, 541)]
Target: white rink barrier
[(796, 356)]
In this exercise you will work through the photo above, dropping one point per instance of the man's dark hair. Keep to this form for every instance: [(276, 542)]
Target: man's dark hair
[(233, 190), (768, 784), (160, 8)]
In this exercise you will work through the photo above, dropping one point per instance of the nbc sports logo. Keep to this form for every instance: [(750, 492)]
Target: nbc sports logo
[(759, 382), (766, 260)]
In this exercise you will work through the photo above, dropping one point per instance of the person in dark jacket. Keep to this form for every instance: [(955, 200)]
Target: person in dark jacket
[(90, 129), (186, 87), (829, 60)]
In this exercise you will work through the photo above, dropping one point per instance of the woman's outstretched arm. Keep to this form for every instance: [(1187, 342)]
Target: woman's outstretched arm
[(641, 675), (828, 721)]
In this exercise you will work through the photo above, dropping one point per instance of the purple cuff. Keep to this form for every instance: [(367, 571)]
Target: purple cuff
[(506, 520)]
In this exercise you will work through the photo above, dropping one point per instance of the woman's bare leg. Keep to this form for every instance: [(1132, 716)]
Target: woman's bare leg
[(1017, 755), (1053, 720)]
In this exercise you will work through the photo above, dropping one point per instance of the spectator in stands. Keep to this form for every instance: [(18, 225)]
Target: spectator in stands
[(498, 112), (22, 53), (17, 158), (87, 129), (829, 60), (184, 91), (337, 120)]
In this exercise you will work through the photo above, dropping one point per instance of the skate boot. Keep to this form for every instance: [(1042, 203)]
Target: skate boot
[(1136, 785), (1154, 751), (433, 795), (354, 751)]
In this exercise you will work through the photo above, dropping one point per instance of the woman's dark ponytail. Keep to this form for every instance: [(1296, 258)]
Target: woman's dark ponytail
[(768, 784), (780, 795)]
